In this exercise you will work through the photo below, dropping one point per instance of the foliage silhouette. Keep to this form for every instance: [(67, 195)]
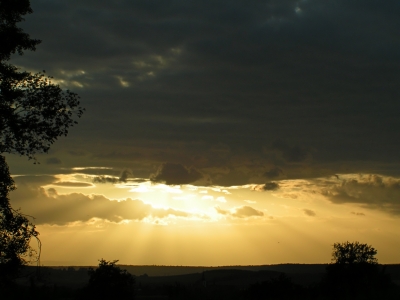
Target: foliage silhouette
[(13, 38), (353, 253), (34, 113), (354, 272), (109, 282), (16, 231)]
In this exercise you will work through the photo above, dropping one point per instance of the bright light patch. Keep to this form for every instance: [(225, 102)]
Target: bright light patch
[(250, 201), (183, 198), (168, 189), (77, 84), (90, 168), (75, 73), (140, 189), (159, 215), (123, 82), (221, 199)]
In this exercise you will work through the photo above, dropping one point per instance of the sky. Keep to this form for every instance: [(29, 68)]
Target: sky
[(217, 132)]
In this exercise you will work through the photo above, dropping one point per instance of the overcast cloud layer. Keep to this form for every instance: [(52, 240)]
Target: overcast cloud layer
[(229, 92)]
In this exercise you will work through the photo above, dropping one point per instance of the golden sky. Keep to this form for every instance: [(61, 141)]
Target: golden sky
[(258, 132), (82, 218)]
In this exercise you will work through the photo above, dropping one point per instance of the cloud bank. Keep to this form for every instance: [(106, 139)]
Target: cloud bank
[(371, 191), (240, 212), (49, 207), (175, 174)]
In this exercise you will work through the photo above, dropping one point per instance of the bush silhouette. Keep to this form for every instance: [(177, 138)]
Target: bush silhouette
[(109, 282)]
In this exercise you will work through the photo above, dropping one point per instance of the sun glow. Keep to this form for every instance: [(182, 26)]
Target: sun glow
[(133, 219)]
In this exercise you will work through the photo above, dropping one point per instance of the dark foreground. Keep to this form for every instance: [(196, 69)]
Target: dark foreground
[(287, 281)]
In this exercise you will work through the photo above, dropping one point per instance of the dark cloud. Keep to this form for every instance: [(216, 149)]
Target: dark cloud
[(270, 186), (357, 213), (309, 212), (97, 171), (53, 161), (291, 154), (171, 173), (240, 212), (32, 180), (125, 174), (185, 76), (371, 191), (273, 173), (72, 184), (105, 179)]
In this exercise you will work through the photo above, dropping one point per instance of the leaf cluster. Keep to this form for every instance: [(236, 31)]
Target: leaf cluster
[(35, 112), (353, 253), (16, 231), (14, 39)]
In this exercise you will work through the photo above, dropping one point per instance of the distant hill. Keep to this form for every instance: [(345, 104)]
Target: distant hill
[(182, 270), (304, 274)]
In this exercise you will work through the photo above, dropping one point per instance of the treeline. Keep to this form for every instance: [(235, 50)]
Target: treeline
[(353, 274)]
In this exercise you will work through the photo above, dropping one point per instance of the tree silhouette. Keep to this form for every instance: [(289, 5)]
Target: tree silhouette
[(34, 112), (353, 253), (354, 272), (15, 231), (109, 282)]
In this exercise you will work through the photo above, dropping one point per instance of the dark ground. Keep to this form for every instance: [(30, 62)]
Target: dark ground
[(169, 282)]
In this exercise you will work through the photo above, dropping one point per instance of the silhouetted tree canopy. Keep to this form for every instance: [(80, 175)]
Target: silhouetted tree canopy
[(109, 282), (14, 39), (16, 231), (353, 253), (354, 272), (34, 112)]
